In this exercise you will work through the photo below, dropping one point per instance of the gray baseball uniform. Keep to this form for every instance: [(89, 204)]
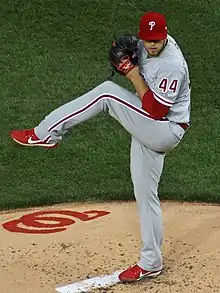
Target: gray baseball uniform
[(168, 78)]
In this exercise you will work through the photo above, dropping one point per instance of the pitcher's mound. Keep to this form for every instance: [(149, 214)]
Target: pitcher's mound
[(45, 248)]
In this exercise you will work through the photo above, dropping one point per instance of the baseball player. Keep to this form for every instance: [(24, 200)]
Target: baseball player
[(157, 117)]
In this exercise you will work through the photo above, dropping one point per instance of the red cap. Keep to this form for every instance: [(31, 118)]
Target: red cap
[(153, 26)]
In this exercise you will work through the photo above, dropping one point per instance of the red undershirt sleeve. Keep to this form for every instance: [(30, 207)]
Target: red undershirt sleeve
[(155, 106)]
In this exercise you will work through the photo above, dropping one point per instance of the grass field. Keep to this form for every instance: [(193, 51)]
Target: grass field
[(53, 51)]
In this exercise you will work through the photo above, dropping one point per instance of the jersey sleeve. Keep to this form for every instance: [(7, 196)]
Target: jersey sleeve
[(166, 85), (164, 89)]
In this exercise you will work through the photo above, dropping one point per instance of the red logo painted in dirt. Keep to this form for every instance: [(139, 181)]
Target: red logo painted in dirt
[(47, 222)]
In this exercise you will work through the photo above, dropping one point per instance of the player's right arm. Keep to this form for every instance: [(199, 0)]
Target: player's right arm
[(138, 81), (163, 91), (158, 96)]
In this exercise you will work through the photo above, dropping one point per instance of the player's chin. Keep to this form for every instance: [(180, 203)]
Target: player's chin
[(153, 53)]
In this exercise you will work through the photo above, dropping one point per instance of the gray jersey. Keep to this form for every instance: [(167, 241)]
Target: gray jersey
[(168, 78)]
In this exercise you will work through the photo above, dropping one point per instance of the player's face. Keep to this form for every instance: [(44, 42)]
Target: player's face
[(154, 47)]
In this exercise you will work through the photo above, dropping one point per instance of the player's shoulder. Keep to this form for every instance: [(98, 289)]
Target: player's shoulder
[(172, 54), (140, 47), (172, 59)]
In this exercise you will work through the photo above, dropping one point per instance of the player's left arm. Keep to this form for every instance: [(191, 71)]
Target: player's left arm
[(159, 98)]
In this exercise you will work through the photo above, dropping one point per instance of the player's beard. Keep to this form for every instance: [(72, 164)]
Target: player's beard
[(156, 52)]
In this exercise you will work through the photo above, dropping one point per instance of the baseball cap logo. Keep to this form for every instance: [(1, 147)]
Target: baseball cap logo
[(152, 24)]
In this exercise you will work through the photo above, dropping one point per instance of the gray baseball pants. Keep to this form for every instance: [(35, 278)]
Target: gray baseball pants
[(151, 140)]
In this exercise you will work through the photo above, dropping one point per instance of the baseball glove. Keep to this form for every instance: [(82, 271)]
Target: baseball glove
[(123, 54)]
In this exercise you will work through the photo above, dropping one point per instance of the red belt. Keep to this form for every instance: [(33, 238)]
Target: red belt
[(185, 126)]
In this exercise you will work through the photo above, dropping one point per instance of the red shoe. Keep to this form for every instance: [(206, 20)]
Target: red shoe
[(136, 273), (29, 138)]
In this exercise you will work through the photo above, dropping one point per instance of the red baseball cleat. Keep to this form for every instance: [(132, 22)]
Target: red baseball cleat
[(136, 273), (28, 138)]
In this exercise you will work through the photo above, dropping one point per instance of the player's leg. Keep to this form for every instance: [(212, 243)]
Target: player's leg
[(146, 168), (120, 103)]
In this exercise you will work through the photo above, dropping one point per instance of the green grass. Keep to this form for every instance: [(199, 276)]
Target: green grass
[(52, 52)]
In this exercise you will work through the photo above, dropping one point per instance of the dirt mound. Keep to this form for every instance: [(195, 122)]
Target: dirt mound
[(47, 247)]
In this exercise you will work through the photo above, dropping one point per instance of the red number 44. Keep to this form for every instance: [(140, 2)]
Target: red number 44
[(165, 85)]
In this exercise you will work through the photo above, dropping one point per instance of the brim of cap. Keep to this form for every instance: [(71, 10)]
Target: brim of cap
[(155, 36)]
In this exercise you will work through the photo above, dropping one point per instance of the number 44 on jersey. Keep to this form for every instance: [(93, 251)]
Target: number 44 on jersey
[(166, 86)]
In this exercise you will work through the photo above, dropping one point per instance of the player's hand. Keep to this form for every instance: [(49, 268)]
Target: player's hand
[(133, 73)]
